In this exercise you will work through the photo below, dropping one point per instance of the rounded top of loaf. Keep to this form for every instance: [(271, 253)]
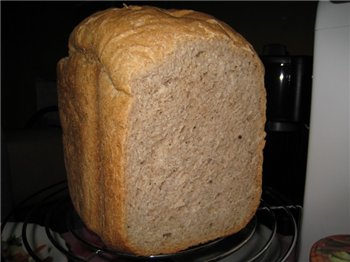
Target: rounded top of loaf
[(127, 40)]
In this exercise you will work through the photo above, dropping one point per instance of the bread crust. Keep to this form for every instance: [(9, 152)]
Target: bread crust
[(106, 51)]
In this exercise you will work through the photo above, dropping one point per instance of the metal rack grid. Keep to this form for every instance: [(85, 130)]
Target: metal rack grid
[(57, 214)]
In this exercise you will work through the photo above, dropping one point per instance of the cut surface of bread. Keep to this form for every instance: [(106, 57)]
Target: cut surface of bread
[(163, 115)]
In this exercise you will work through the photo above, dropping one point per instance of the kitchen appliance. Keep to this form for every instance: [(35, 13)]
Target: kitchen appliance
[(288, 86), (326, 209)]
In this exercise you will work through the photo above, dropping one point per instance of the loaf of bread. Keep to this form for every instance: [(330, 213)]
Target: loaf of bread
[(163, 115)]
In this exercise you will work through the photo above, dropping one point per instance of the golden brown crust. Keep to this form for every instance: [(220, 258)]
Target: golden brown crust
[(78, 118), (93, 144), (106, 51), (130, 39)]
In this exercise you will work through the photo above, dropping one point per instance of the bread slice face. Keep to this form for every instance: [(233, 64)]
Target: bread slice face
[(163, 118)]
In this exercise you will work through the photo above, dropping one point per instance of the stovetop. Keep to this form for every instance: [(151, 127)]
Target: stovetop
[(46, 227)]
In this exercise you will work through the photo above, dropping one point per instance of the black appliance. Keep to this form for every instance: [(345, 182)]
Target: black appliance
[(288, 85)]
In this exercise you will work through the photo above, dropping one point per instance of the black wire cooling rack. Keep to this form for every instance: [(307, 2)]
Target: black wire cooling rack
[(270, 236)]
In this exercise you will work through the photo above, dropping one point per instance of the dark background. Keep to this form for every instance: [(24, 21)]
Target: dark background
[(35, 36)]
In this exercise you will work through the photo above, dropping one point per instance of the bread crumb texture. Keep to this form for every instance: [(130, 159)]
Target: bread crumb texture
[(163, 115)]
